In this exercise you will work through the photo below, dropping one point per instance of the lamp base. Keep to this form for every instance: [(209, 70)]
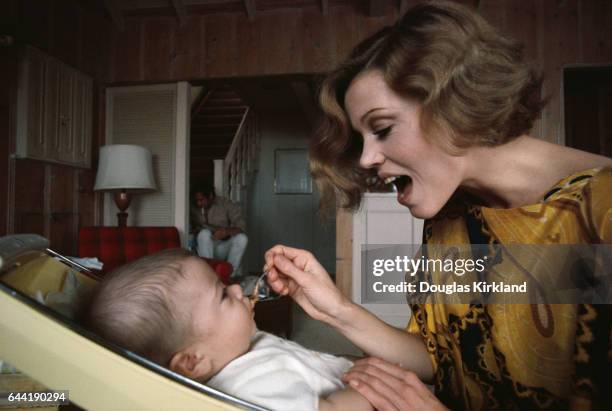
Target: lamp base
[(122, 219), (122, 200)]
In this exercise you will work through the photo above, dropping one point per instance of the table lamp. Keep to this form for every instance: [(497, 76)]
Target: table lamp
[(124, 169)]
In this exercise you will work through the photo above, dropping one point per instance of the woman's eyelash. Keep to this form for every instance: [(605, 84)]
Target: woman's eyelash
[(383, 132)]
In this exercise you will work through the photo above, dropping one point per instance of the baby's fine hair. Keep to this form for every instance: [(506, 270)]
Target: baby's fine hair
[(134, 306)]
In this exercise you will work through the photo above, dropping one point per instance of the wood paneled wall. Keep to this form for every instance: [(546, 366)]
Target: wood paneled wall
[(555, 34), (303, 40), (75, 34), (37, 197), (8, 72), (299, 40)]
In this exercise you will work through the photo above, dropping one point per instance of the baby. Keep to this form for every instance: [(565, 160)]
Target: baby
[(170, 307)]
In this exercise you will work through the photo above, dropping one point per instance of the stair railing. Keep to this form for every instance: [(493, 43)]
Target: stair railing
[(240, 159)]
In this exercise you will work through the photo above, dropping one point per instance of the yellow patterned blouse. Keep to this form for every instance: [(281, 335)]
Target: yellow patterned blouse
[(523, 357)]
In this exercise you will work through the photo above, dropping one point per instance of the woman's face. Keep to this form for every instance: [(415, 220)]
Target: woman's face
[(393, 143)]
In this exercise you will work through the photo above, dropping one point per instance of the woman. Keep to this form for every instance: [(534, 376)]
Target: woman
[(442, 104)]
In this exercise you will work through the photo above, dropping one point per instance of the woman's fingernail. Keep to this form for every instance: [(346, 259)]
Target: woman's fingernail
[(354, 383)]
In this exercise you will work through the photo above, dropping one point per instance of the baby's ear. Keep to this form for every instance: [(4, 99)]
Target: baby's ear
[(192, 364)]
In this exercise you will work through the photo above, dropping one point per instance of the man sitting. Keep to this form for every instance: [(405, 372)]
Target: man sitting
[(219, 227)]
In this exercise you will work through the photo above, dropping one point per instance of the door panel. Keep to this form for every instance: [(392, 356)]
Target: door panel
[(36, 74), (51, 125), (86, 197), (29, 197), (65, 131), (62, 217)]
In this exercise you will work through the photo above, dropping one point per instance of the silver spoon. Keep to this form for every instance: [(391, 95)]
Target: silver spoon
[(255, 297)]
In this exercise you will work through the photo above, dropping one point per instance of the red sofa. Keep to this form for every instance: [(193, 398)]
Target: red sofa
[(115, 246)]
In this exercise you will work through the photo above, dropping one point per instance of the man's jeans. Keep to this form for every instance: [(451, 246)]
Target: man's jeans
[(231, 249)]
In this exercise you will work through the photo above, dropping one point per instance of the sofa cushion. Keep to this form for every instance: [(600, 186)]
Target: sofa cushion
[(115, 246)]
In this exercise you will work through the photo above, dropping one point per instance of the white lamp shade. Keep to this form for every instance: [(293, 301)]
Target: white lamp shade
[(125, 167)]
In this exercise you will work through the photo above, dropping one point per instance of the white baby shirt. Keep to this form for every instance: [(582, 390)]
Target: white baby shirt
[(281, 375)]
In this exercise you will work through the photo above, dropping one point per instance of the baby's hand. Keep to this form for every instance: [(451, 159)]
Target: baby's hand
[(346, 399)]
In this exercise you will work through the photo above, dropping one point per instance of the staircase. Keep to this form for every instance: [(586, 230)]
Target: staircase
[(223, 128)]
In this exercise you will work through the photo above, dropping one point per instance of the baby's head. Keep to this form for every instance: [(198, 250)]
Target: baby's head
[(170, 307)]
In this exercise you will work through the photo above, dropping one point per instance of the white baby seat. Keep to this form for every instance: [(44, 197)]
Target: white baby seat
[(44, 343)]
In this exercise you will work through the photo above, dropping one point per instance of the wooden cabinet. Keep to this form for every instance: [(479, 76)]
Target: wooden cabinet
[(51, 93), (54, 110), (53, 200), (82, 100), (30, 105)]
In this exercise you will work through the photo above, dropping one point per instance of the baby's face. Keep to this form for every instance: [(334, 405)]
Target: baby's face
[(222, 316)]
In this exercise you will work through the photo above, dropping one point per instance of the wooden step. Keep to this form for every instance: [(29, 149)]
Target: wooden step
[(223, 101), (214, 126), (214, 119), (205, 162), (225, 93), (207, 123), (209, 152), (199, 138), (213, 129), (223, 110), (199, 148)]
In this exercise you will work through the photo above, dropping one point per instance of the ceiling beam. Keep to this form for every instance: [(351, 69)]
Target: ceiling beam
[(324, 7), (115, 14), (181, 13), (249, 6)]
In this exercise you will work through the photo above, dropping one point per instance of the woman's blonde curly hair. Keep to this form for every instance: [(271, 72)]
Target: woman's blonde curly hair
[(471, 82)]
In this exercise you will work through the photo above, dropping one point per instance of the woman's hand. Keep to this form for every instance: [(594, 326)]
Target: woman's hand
[(297, 273), (390, 387)]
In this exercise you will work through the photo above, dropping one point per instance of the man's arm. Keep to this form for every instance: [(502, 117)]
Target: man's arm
[(346, 399), (232, 231), (195, 219), (237, 222)]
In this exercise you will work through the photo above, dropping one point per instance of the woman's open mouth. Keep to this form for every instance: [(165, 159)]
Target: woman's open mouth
[(403, 186)]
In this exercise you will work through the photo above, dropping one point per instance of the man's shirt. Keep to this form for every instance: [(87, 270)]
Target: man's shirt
[(221, 214)]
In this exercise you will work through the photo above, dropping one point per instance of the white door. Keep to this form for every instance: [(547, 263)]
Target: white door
[(382, 220)]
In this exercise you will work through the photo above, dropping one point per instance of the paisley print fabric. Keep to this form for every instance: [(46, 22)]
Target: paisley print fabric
[(523, 357)]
